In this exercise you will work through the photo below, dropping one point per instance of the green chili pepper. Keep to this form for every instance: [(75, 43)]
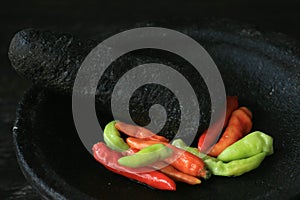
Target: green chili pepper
[(146, 156), (236, 167), (179, 143), (113, 138), (252, 144)]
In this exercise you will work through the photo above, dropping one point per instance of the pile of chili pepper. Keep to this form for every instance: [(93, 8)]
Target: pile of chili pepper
[(150, 159)]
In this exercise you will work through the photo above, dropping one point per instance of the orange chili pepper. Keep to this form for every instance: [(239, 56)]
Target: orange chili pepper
[(182, 160), (175, 174), (137, 143), (232, 104), (239, 125), (138, 132)]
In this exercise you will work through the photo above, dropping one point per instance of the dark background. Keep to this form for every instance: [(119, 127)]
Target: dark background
[(88, 18)]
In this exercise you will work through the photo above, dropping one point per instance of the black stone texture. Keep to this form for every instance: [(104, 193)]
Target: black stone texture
[(261, 69), (88, 19)]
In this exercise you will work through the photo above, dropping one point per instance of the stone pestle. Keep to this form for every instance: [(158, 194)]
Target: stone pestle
[(51, 60)]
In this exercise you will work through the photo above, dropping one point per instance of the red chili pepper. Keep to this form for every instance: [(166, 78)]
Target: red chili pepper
[(109, 159), (182, 160), (175, 174), (129, 152), (232, 104), (239, 125), (138, 132)]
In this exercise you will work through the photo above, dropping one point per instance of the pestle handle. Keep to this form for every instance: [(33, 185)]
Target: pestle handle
[(49, 59)]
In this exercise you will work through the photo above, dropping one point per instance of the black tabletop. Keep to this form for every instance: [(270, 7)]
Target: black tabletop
[(87, 19)]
